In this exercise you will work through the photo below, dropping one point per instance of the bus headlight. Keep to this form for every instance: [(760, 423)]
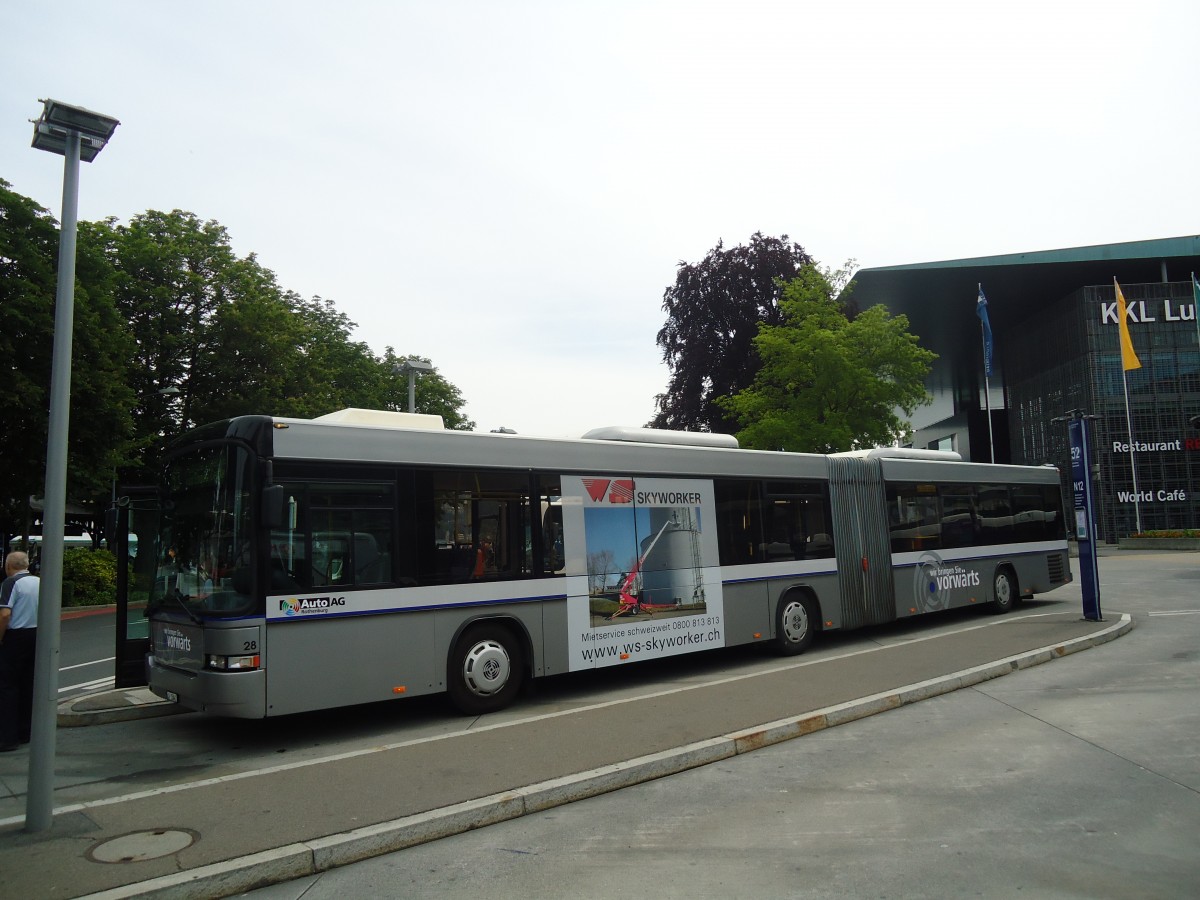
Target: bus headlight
[(231, 663)]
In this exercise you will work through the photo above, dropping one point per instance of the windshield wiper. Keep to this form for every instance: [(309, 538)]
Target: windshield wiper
[(182, 601)]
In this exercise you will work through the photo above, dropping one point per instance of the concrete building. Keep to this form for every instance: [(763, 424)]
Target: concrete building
[(1056, 345)]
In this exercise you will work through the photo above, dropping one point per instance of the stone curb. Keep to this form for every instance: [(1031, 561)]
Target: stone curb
[(313, 857)]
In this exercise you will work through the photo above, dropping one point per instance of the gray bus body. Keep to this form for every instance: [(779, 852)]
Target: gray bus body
[(368, 562)]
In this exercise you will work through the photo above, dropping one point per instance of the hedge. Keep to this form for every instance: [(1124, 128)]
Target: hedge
[(89, 577)]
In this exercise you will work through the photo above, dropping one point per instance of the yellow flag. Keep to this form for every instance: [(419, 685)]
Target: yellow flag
[(1129, 359)]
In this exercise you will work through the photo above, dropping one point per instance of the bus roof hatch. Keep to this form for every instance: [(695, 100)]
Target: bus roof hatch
[(662, 436), (382, 418)]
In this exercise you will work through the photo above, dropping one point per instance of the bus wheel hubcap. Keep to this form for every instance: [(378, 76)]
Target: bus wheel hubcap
[(487, 668), (795, 622)]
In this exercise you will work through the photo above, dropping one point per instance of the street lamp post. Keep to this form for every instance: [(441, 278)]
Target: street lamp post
[(412, 367), (76, 134)]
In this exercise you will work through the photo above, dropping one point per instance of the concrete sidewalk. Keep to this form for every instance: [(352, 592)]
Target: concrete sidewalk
[(227, 834)]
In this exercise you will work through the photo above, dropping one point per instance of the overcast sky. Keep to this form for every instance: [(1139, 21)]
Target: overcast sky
[(508, 187)]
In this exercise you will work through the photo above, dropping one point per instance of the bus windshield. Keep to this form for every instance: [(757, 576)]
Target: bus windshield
[(204, 565)]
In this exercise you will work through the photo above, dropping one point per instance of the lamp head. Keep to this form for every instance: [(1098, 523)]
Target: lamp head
[(52, 129)]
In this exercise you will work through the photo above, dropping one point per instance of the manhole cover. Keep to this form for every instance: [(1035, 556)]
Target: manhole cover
[(142, 845)]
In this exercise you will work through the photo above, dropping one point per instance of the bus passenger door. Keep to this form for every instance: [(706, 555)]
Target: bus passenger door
[(860, 540), (132, 522)]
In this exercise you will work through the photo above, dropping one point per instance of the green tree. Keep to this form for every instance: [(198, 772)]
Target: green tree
[(217, 336), (171, 279), (334, 372), (102, 434), (714, 310), (172, 329), (288, 356), (28, 247), (829, 383), (99, 420), (256, 339)]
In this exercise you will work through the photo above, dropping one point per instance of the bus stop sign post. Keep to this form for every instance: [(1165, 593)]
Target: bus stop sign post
[(1085, 519)]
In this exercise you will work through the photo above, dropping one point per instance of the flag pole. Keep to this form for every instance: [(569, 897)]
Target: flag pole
[(1129, 360), (984, 328), (987, 402), (987, 388), (1133, 465)]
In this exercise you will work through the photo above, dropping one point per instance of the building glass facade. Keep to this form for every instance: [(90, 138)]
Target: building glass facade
[(1068, 358)]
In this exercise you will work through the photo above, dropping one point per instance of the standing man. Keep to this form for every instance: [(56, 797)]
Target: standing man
[(18, 644)]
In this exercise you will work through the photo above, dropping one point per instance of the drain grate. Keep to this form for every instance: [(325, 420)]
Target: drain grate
[(142, 845)]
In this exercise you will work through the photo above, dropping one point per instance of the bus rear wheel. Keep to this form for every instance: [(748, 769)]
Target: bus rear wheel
[(486, 670), (795, 623), (1004, 590)]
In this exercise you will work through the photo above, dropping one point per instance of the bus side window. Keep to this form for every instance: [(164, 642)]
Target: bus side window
[(352, 534), (995, 514), (479, 529), (1052, 501), (1030, 514), (553, 546), (739, 521), (372, 547), (913, 517), (797, 521), (330, 557), (960, 519), (288, 568)]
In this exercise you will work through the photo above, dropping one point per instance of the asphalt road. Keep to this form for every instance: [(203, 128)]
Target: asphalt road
[(1076, 779), (832, 808), (86, 645)]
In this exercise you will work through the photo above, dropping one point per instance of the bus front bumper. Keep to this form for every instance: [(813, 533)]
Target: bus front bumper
[(237, 695)]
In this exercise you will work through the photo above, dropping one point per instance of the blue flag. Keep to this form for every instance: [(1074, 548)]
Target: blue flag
[(981, 311)]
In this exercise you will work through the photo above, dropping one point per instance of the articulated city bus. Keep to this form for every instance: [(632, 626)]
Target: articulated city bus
[(366, 556)]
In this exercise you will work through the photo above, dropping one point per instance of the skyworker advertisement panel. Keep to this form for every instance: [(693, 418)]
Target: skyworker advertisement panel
[(651, 582)]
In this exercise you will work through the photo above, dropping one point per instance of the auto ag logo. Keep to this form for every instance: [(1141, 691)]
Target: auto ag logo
[(618, 490)]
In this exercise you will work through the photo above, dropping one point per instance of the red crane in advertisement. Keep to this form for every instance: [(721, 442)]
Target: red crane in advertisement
[(630, 603)]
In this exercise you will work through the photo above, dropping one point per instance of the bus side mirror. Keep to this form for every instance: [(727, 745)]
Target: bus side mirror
[(274, 506)]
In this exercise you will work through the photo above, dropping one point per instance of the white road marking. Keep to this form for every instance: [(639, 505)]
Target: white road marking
[(1176, 612), (94, 662), (89, 685)]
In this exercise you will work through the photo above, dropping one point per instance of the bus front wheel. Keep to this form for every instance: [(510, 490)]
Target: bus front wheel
[(795, 622), (486, 670), (1004, 590)]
